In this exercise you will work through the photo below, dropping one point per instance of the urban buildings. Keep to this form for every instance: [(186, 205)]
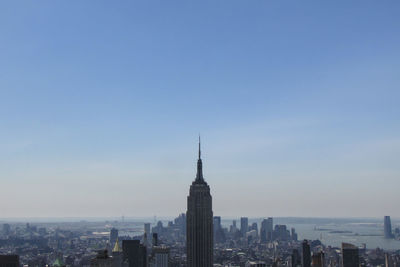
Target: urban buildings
[(199, 221)]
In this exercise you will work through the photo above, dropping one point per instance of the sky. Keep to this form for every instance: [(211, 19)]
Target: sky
[(102, 102)]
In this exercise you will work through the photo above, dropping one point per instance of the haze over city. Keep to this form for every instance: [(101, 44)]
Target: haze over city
[(297, 105)]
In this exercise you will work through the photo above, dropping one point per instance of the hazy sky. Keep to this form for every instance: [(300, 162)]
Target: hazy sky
[(297, 102)]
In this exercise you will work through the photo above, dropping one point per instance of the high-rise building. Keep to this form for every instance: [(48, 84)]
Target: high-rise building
[(350, 256), (266, 230), (160, 257), (155, 239), (254, 227), (9, 261), (113, 235), (281, 232), (217, 223), (296, 259), (387, 225), (244, 225), (217, 228), (318, 259), (146, 235), (134, 253), (199, 221), (306, 259)]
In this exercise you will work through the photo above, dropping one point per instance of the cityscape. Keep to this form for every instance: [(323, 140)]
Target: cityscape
[(195, 238), (211, 133)]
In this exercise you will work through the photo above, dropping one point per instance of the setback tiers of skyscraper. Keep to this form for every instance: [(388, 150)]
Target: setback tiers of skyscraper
[(199, 222)]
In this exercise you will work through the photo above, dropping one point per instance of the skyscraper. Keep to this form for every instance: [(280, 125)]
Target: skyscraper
[(199, 222), (146, 235), (296, 260), (306, 259), (113, 235), (135, 253), (318, 259), (217, 227), (387, 225), (350, 256), (244, 225), (266, 230), (160, 257)]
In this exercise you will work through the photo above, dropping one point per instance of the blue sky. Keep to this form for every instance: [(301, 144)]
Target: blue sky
[(297, 103)]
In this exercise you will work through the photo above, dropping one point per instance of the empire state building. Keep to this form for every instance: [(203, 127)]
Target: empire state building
[(199, 222)]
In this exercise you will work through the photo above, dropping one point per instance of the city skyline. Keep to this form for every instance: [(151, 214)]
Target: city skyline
[(297, 105)]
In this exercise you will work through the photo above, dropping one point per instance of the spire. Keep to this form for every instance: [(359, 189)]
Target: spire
[(117, 248), (199, 175), (199, 148)]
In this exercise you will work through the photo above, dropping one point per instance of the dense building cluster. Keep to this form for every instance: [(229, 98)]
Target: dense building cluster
[(164, 244), (194, 239)]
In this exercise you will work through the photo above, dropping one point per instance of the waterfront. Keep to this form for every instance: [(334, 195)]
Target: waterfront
[(334, 231)]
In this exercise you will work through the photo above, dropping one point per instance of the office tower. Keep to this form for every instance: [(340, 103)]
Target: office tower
[(388, 261), (217, 222), (113, 235), (281, 233), (181, 223), (263, 231), (146, 234), (296, 259), (306, 259), (155, 239), (217, 228), (135, 253), (266, 230), (159, 228), (318, 259), (9, 261), (160, 257), (387, 227), (199, 222), (350, 256), (254, 227), (244, 225), (294, 234)]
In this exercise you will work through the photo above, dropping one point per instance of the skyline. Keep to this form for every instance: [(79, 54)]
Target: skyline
[(296, 103)]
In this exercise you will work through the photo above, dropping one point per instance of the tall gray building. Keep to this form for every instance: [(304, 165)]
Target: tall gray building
[(266, 230), (199, 222), (387, 225), (244, 225)]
